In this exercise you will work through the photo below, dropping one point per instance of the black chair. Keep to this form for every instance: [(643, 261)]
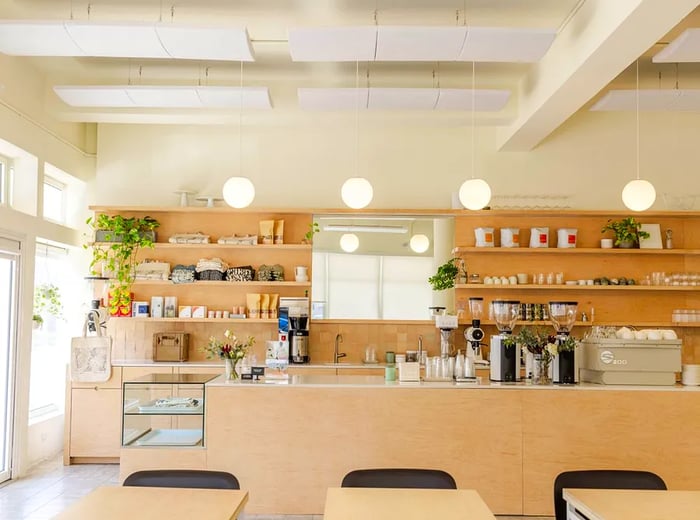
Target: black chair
[(399, 478), (183, 478), (602, 479)]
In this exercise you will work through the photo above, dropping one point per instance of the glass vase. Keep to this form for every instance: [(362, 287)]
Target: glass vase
[(540, 370), (231, 372)]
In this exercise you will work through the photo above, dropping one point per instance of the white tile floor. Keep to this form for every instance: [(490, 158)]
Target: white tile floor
[(50, 487)]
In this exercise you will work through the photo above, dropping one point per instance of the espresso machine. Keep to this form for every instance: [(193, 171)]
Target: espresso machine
[(504, 358), (299, 339), (563, 317)]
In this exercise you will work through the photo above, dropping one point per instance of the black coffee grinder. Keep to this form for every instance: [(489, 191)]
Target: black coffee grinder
[(299, 339)]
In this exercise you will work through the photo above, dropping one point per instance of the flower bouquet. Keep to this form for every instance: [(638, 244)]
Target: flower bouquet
[(543, 346), (231, 350)]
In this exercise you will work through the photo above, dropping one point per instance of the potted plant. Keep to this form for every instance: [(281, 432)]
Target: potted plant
[(627, 232), (47, 300), (445, 276), (309, 235), (121, 239)]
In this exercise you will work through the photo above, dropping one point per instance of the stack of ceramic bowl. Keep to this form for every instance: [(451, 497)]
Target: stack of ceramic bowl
[(691, 375)]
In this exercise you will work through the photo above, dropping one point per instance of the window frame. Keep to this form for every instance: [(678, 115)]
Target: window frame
[(62, 187)]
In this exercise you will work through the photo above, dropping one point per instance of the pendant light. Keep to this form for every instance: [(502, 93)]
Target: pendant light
[(357, 192), (349, 242), (239, 192), (419, 243), (474, 193), (638, 194)]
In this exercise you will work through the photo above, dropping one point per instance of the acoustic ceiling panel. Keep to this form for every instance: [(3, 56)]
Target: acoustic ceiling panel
[(333, 43), (649, 100), (506, 44), (425, 43), (685, 48), (402, 98), (124, 40), (139, 96)]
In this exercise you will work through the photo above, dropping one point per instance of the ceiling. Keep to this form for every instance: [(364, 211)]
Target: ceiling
[(595, 44)]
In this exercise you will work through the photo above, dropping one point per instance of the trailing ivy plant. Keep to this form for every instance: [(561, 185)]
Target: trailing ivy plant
[(124, 237), (47, 300), (445, 276)]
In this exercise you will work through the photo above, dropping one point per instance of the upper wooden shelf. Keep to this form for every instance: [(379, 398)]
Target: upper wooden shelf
[(222, 283), (214, 245), (607, 323), (572, 251), (545, 287)]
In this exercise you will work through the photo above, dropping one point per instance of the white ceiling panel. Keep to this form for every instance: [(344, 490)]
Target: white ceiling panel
[(506, 44), (333, 43), (330, 99), (461, 99), (205, 43), (117, 40), (160, 97), (422, 43), (649, 100), (97, 96), (685, 48), (402, 98), (36, 38)]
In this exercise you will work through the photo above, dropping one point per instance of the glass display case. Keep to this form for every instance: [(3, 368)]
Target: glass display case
[(164, 410)]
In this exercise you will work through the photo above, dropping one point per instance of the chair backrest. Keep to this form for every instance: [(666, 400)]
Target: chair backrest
[(399, 478), (183, 478), (602, 479)]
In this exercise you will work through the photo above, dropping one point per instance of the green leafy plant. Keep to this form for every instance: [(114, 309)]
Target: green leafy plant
[(626, 230), (309, 236), (47, 300), (445, 276), (123, 238)]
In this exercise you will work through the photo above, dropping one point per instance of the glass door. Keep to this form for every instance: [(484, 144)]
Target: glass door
[(9, 261)]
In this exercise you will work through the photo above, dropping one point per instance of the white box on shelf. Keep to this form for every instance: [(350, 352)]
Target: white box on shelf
[(409, 371)]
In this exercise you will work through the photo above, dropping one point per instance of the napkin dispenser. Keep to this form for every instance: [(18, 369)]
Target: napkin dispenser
[(171, 346), (409, 372)]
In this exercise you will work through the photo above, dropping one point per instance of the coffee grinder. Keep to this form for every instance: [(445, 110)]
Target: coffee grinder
[(505, 355), (446, 324), (475, 333), (563, 317), (298, 338)]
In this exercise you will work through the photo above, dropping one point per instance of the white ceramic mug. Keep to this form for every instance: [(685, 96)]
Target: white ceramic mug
[(606, 243), (301, 273)]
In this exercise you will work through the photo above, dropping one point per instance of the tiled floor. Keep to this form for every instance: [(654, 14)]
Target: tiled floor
[(50, 487)]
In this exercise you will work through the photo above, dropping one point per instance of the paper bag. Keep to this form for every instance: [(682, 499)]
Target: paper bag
[(90, 357)]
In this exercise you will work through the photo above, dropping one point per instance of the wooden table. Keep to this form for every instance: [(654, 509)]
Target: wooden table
[(405, 504), (632, 504), (154, 503)]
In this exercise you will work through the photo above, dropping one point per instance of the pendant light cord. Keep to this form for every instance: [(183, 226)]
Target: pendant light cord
[(240, 122), (473, 118), (637, 117), (357, 118)]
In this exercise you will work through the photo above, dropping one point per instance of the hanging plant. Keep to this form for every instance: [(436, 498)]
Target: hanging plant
[(118, 240), (47, 301)]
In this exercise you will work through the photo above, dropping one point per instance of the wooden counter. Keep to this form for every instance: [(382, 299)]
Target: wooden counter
[(288, 443)]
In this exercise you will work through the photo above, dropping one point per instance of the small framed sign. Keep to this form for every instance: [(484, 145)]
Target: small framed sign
[(654, 240)]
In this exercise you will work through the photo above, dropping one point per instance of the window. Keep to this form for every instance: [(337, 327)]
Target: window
[(57, 273), (54, 200), (4, 181)]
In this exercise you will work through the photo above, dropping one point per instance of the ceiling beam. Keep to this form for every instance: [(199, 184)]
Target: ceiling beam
[(598, 43)]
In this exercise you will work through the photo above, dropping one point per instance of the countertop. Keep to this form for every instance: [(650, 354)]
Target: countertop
[(340, 381)]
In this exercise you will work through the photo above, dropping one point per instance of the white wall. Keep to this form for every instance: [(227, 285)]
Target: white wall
[(589, 159)]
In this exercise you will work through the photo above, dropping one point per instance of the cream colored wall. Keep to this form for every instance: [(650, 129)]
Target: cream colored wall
[(590, 158)]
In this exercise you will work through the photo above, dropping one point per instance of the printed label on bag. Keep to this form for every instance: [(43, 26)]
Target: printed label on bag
[(571, 239), (543, 238)]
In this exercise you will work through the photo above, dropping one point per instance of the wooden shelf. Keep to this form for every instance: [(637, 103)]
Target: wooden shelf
[(546, 323), (276, 247), (536, 287), (203, 320), (223, 283), (572, 251)]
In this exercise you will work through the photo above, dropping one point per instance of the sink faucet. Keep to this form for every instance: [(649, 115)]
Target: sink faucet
[(420, 348), (337, 355)]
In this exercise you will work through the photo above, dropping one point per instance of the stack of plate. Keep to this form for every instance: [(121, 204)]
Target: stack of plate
[(691, 375)]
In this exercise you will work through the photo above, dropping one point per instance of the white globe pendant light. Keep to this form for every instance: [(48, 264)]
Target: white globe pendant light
[(239, 192), (638, 195), (419, 243), (349, 242), (357, 192), (475, 194)]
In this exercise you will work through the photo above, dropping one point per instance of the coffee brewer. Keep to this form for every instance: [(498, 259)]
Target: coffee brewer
[(505, 355), (563, 317), (299, 339)]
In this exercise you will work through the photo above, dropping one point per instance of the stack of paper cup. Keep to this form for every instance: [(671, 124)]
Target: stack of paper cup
[(691, 375)]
